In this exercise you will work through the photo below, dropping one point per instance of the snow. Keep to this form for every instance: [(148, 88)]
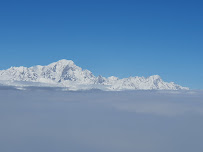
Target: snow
[(65, 73)]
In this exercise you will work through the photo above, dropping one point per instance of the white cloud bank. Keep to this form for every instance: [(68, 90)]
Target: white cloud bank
[(47, 119)]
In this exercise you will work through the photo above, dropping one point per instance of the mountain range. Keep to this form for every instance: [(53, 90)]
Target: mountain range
[(69, 76)]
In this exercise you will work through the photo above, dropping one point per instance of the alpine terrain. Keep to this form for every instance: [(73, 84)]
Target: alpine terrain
[(66, 74)]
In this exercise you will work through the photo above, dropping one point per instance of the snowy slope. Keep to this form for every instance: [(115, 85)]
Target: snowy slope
[(65, 73)]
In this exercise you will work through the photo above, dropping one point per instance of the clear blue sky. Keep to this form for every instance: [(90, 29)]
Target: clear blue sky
[(121, 38)]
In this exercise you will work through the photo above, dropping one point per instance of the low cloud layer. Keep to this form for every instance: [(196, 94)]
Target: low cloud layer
[(49, 119)]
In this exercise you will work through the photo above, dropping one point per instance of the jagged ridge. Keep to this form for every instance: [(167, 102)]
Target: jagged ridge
[(65, 73)]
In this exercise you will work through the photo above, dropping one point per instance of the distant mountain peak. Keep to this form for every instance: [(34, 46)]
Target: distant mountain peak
[(63, 62), (64, 73), (155, 77)]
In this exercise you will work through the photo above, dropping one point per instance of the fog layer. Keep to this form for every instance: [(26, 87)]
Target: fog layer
[(51, 120)]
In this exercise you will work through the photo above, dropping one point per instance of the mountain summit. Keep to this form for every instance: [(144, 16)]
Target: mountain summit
[(65, 73)]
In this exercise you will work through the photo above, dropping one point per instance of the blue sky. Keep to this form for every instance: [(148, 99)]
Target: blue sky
[(121, 38)]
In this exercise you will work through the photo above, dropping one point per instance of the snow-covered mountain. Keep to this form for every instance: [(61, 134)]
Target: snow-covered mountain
[(65, 73)]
